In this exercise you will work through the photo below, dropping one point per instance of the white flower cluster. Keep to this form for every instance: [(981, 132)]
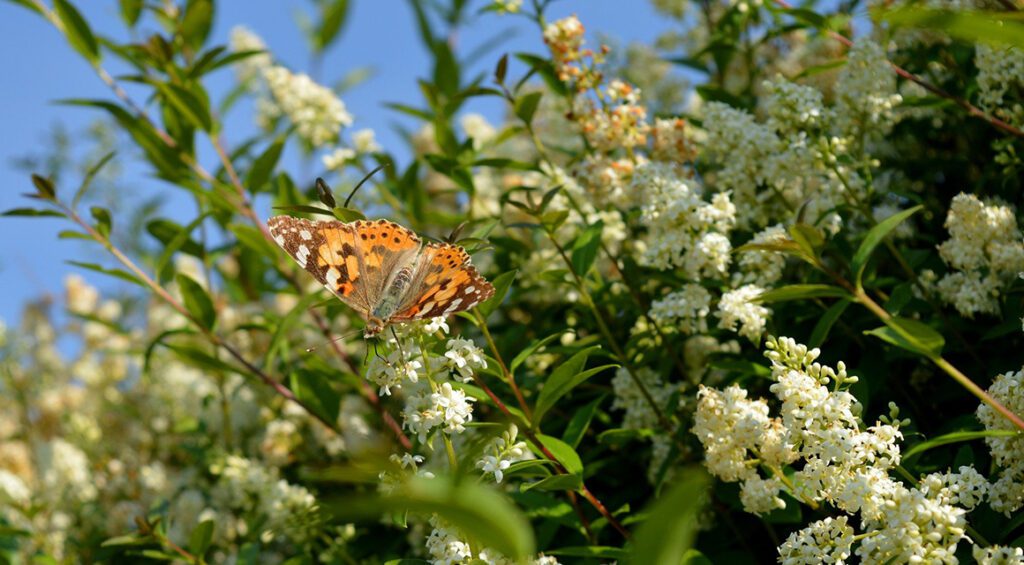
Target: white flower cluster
[(316, 112), (1000, 74), (433, 403), (640, 415), (251, 67), (740, 307), (842, 464), (686, 309), (501, 453), (446, 545), (762, 267), (998, 555), (248, 487), (683, 230), (866, 94), (1006, 495), (985, 250)]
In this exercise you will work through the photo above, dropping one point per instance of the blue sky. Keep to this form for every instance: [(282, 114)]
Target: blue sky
[(380, 34)]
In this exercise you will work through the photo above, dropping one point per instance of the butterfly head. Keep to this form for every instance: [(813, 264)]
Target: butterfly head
[(373, 327)]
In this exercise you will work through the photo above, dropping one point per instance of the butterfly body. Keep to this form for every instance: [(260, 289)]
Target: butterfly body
[(382, 270)]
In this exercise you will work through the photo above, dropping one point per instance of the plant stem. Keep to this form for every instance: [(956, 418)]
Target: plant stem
[(509, 378)]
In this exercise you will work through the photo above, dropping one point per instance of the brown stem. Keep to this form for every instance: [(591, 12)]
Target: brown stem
[(501, 363)]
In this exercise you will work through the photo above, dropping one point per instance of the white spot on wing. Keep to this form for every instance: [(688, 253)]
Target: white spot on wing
[(470, 289), (279, 239), (304, 234), (332, 278), (301, 255), (455, 304)]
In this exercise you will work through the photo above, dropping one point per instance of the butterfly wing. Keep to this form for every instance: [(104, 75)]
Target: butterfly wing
[(444, 282), (328, 250), (386, 247)]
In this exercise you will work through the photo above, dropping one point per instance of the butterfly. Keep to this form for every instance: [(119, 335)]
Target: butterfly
[(382, 269)]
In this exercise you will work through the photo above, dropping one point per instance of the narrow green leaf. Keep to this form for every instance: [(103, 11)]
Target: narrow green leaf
[(279, 340), (956, 437), (501, 283), (315, 391), (194, 108), (77, 30), (482, 514), (555, 482), (332, 20), (201, 537), (672, 519), (580, 422), (911, 335), (501, 69), (800, 292), (197, 22), (29, 212), (89, 176), (530, 349), (563, 379), (968, 25), (808, 238), (874, 237), (176, 243), (252, 238), (306, 210), (584, 249), (263, 166), (825, 323), (526, 106), (118, 273), (347, 214), (131, 11), (562, 451), (103, 221), (197, 301), (71, 234), (44, 187)]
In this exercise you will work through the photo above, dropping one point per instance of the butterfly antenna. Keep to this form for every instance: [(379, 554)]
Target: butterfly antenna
[(332, 340), (398, 341), (360, 185)]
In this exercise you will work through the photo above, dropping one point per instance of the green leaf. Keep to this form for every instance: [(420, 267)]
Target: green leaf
[(956, 437), (194, 108), (523, 355), (501, 283), (316, 392), (131, 11), (30, 212), (825, 323), (566, 377), (201, 537), (486, 517), (591, 551), (968, 25), (118, 273), (808, 238), (89, 176), (873, 238), (580, 422), (252, 238), (911, 335), (197, 22), (197, 301), (176, 243), (332, 19), (526, 106), (279, 340), (44, 187), (77, 30), (103, 221), (562, 451), (501, 69), (306, 210), (347, 214), (584, 249), (672, 519), (126, 541), (263, 166), (555, 482), (800, 292)]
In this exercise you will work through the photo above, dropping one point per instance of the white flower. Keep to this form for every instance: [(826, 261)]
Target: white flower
[(390, 372), (251, 67), (448, 409), (436, 324), (998, 555), (13, 490), (761, 496), (477, 127), (316, 112), (337, 159), (825, 541), (1006, 495), (464, 357), (628, 396), (365, 141), (501, 453), (740, 306)]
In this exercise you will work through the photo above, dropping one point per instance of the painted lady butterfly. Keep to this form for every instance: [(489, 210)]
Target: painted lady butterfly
[(380, 269)]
